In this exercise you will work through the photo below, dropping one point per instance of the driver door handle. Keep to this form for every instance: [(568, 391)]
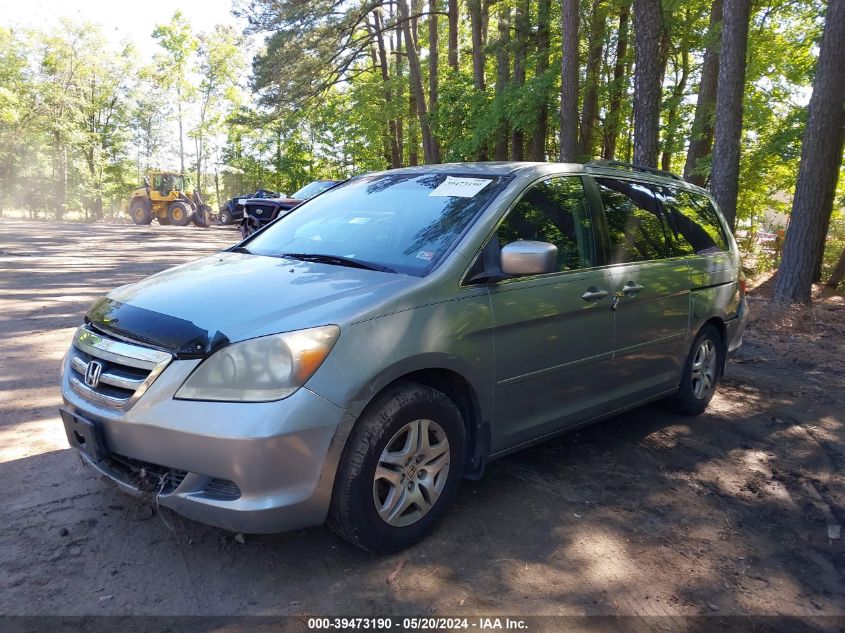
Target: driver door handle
[(594, 294)]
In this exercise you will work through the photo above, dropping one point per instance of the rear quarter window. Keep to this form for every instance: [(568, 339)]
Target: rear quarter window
[(694, 225)]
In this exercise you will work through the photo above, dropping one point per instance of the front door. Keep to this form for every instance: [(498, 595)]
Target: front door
[(553, 333)]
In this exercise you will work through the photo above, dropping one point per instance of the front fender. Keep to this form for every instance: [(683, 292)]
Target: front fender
[(456, 336)]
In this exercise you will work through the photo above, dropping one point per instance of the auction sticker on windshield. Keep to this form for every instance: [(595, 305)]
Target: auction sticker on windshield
[(456, 187)]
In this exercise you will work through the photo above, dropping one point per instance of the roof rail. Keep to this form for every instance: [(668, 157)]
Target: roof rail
[(617, 164)]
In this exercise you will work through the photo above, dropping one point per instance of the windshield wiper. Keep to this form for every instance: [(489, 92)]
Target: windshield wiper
[(241, 249), (336, 260)]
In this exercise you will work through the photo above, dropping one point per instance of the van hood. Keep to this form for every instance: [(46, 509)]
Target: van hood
[(195, 308)]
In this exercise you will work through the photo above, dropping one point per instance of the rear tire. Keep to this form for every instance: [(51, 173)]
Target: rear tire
[(702, 372), (179, 213), (140, 212), (395, 483)]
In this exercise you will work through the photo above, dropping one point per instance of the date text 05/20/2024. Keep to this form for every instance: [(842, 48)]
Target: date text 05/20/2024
[(417, 624)]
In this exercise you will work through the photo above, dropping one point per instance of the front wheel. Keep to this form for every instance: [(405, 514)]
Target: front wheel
[(140, 212), (702, 372), (225, 216), (179, 213), (400, 469)]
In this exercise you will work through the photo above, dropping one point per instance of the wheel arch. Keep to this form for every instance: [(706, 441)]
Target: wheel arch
[(718, 322), (143, 200), (459, 388), (709, 305), (720, 326)]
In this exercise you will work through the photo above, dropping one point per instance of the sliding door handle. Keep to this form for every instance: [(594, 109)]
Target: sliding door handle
[(631, 288)]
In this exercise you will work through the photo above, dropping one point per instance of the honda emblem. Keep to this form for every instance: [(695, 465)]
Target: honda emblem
[(92, 373)]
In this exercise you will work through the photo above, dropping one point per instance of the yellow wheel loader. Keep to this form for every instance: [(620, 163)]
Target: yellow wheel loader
[(164, 198)]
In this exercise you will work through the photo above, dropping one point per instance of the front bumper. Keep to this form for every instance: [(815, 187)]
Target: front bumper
[(276, 461)]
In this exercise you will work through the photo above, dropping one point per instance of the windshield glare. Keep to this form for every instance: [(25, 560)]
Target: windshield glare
[(405, 222), (310, 190)]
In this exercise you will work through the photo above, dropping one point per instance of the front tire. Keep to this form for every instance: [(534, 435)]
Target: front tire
[(179, 213), (702, 372), (400, 469), (225, 216), (140, 212)]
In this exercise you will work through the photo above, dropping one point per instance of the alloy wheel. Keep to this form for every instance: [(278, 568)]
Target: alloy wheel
[(703, 374), (411, 473)]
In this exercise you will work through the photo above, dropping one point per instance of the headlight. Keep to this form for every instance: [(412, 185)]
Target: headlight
[(242, 201), (261, 369)]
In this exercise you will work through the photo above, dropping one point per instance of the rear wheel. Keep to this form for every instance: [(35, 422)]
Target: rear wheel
[(702, 372), (179, 213), (140, 212), (400, 469)]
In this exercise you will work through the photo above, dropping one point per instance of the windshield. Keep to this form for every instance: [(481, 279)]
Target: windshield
[(401, 222), (312, 189)]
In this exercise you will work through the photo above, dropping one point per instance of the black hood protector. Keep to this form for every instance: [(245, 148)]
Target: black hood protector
[(182, 338)]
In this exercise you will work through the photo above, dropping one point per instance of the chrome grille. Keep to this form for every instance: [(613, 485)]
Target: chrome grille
[(123, 371)]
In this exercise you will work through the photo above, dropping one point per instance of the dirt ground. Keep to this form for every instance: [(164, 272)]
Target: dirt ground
[(735, 512)]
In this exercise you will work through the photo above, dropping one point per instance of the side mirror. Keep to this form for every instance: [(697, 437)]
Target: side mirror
[(526, 257)]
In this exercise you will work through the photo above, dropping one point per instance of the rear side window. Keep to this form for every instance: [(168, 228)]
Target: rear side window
[(694, 225), (634, 224), (553, 211)]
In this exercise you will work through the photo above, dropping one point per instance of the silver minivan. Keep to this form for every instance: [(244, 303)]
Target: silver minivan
[(354, 360)]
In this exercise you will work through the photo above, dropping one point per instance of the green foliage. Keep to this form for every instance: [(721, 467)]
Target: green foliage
[(80, 121)]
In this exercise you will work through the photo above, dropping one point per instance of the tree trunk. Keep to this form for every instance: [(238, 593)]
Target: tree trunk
[(590, 108), (374, 60), (569, 82), (521, 29), (701, 137), (60, 169), (672, 114), (179, 119), (198, 144), (413, 139), (453, 35), (648, 75), (433, 70), (400, 132), (395, 155), (821, 158), (544, 16), (728, 131), (415, 79), (838, 275), (478, 56), (217, 187), (502, 78), (613, 122)]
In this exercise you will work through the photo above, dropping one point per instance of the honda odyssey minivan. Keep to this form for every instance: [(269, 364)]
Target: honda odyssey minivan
[(354, 360)]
